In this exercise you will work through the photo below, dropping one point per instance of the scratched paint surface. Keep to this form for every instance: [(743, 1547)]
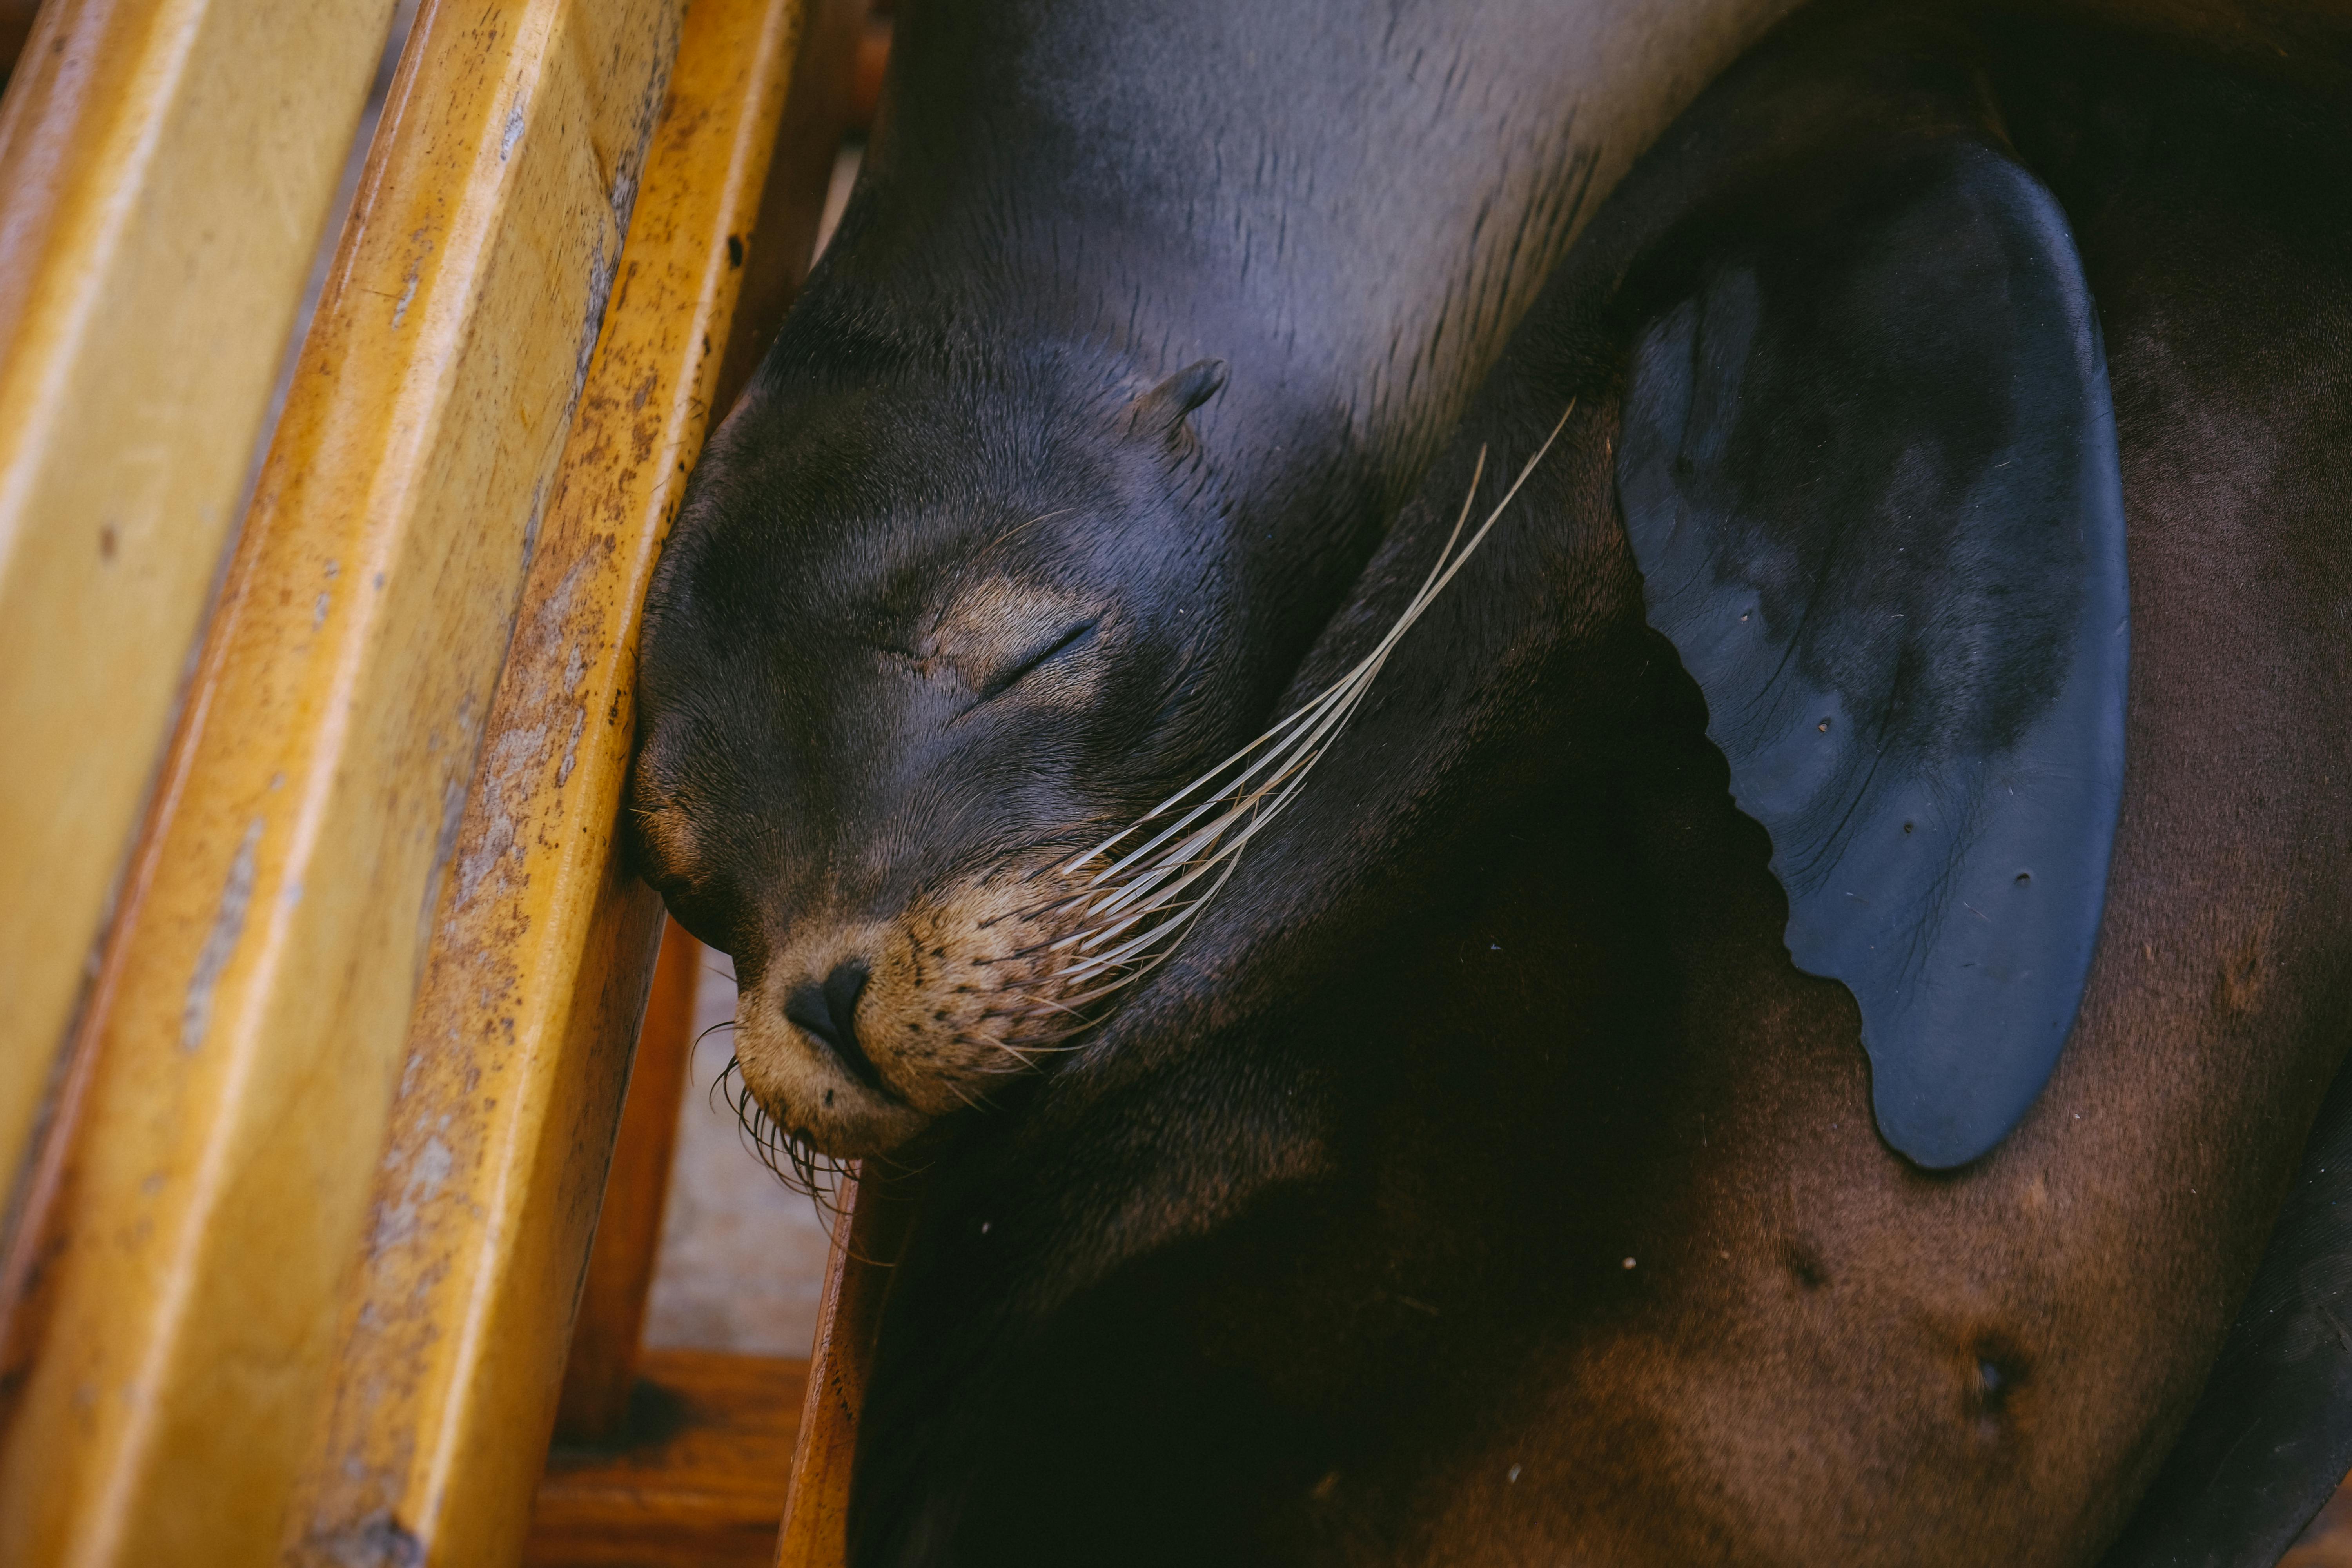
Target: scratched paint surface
[(242, 1048), (136, 181), (450, 1347)]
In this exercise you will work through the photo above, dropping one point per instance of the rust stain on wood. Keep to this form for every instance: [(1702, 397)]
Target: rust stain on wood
[(452, 1339)]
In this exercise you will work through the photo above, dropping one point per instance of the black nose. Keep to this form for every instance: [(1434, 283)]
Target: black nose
[(830, 1013)]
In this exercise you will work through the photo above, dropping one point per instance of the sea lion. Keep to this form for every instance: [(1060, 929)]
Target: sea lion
[(1484, 1181), (1139, 327), (1239, 1281)]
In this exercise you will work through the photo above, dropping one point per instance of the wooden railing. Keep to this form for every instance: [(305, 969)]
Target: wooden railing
[(318, 1000), (319, 975)]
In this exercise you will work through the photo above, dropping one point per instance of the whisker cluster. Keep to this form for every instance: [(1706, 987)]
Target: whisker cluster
[(795, 1160), (1135, 904)]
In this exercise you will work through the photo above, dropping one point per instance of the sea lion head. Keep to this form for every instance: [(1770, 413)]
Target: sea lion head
[(917, 640)]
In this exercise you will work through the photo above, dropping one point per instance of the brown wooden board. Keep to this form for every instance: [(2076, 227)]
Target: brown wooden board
[(694, 1477), (602, 1366), (868, 1236)]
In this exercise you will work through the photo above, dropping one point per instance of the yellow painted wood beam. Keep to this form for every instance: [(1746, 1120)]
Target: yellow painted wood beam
[(454, 1338), (159, 210), (204, 1193)]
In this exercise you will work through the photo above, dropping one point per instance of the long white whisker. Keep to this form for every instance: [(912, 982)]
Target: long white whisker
[(1132, 912), (1300, 718), (1414, 607)]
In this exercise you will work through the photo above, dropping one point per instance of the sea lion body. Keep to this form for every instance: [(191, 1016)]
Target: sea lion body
[(1138, 329), (1482, 1183)]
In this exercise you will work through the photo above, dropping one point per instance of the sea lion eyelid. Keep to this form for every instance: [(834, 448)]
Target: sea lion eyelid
[(1011, 676), (994, 631)]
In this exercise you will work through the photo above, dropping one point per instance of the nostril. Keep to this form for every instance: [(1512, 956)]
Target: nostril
[(829, 1011), (842, 989)]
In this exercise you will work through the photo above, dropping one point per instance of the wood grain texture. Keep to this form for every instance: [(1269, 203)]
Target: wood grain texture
[(695, 1480), (603, 1365), (775, 257), (868, 1235), (158, 217), (173, 1316), (453, 1339)]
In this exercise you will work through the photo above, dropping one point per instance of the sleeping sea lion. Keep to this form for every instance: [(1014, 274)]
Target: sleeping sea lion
[(1139, 327), (1486, 1179)]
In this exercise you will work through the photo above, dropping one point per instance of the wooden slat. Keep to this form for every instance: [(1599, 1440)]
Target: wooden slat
[(157, 220), (820, 105), (696, 1479), (868, 1235), (866, 87), (602, 1362), (220, 1127), (453, 1339), (782, 243)]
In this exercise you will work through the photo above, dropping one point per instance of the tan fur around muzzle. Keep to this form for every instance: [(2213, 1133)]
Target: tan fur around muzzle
[(960, 994)]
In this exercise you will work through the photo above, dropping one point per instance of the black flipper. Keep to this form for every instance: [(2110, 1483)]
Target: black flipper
[(1870, 475)]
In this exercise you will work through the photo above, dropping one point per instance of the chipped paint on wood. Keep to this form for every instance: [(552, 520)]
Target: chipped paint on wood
[(199, 1210), (228, 924), (453, 1337)]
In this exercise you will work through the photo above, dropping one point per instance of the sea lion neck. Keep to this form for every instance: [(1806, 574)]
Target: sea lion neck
[(1191, 182)]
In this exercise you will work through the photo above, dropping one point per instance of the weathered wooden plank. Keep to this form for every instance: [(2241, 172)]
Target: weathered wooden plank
[(203, 1194), (602, 1361), (150, 196), (453, 1337), (819, 106), (697, 1479), (868, 1235)]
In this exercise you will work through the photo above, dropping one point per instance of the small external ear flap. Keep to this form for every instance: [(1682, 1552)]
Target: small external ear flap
[(1159, 412), (1869, 474)]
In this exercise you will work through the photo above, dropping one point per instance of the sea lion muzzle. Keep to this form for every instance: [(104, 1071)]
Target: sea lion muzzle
[(859, 1035)]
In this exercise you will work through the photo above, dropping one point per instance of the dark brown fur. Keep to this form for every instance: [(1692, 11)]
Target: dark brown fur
[(1547, 1222)]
